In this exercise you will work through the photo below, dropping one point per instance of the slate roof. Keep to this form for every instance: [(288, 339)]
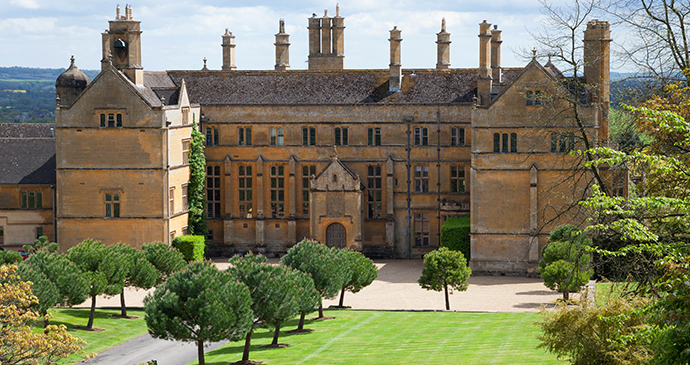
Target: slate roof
[(26, 130), (27, 160), (325, 87)]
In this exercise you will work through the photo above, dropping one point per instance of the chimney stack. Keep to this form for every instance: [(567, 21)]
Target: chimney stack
[(228, 51), (484, 81), (443, 42), (395, 74), (496, 41), (326, 43), (597, 67), (338, 33), (282, 48)]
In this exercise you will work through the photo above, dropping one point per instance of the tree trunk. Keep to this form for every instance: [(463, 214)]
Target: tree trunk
[(93, 311), (445, 288), (200, 349), (275, 336), (123, 310), (45, 319), (320, 308), (300, 326), (342, 296), (566, 295), (247, 344)]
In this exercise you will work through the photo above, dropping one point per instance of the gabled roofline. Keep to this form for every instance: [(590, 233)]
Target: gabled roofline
[(124, 78)]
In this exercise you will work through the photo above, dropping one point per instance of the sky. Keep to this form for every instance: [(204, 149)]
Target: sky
[(177, 35)]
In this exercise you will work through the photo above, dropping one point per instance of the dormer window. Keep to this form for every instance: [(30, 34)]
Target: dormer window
[(110, 119)]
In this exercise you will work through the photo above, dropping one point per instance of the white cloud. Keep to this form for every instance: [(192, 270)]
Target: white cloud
[(27, 4)]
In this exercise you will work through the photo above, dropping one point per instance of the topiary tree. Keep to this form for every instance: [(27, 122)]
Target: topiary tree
[(455, 234), (10, 257), (71, 283), (139, 274), (364, 272), (166, 259), (102, 268), (325, 266), (444, 268), (42, 244), (564, 264), (199, 304), (196, 200), (192, 247), (42, 288), (275, 292)]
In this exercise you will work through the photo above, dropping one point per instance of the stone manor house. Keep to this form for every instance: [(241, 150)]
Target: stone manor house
[(374, 160)]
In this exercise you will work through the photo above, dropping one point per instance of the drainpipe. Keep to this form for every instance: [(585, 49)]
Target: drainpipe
[(55, 235), (409, 214), (438, 176)]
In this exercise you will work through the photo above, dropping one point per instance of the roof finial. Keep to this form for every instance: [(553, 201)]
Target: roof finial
[(337, 9), (334, 156), (110, 57), (71, 61), (282, 26), (534, 53), (443, 25), (205, 68), (325, 13)]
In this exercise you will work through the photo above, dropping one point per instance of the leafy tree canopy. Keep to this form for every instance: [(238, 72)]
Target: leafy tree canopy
[(445, 270)]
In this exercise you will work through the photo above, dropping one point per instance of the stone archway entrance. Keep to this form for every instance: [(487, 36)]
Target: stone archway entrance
[(336, 236)]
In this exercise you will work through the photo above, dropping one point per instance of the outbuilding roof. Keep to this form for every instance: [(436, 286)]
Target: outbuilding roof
[(28, 154)]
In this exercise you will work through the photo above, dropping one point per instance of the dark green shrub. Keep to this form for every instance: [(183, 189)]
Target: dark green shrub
[(10, 257), (192, 247), (455, 234)]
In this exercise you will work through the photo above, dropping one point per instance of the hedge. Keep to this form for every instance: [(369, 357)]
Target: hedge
[(192, 247), (455, 234)]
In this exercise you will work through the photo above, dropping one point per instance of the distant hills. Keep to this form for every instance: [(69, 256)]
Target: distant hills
[(27, 95), (24, 74)]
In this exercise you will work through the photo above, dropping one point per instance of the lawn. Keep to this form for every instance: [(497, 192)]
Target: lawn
[(115, 330), (373, 337), (607, 291)]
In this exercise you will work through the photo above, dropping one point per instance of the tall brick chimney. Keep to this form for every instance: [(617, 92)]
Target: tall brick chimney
[(443, 47), (228, 51), (496, 41), (282, 48), (597, 67)]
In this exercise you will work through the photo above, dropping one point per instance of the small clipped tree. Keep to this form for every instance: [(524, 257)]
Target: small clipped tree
[(10, 257), (197, 184), (444, 269), (455, 234), (140, 273), (166, 259), (565, 262), (42, 244), (42, 288), (102, 268), (72, 285), (199, 304), (364, 272), (325, 266), (274, 290), (192, 247)]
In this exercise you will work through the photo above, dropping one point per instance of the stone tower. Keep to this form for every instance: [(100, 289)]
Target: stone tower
[(282, 48), (326, 41), (443, 42), (122, 45), (597, 67)]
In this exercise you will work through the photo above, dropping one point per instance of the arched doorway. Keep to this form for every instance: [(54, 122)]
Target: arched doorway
[(336, 236)]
